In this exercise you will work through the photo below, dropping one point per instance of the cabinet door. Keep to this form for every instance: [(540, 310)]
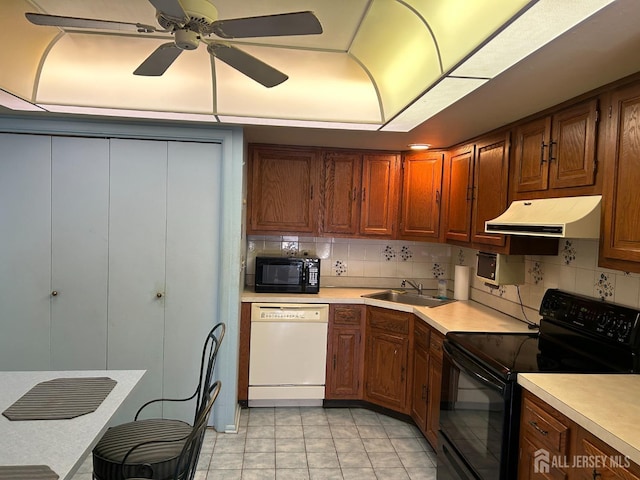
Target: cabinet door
[(344, 363), (137, 238), (420, 386), (386, 370), (459, 175), (379, 195), (433, 389), (342, 175), (25, 256), (612, 465), (620, 239), (421, 195), (572, 150), (344, 359), (283, 191), (490, 187), (80, 246), (531, 165), (532, 466), (193, 240)]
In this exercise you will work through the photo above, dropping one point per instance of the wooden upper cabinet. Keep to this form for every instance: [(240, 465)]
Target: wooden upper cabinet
[(421, 195), (531, 166), (459, 188), (572, 150), (342, 178), (620, 239), (283, 190), (379, 198), (490, 187), (556, 152)]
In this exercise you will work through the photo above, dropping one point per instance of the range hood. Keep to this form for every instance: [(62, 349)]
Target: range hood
[(570, 217)]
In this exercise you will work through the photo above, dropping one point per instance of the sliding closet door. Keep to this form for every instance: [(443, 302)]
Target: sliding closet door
[(193, 240), (25, 251), (137, 232), (79, 263)]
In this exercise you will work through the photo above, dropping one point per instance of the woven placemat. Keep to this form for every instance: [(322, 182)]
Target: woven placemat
[(61, 398), (27, 472)]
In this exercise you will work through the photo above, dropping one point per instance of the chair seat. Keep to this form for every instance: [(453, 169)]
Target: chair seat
[(162, 457)]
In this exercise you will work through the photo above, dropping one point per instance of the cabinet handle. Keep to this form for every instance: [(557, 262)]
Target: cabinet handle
[(469, 193), (311, 192), (355, 193), (402, 374), (334, 361), (535, 425), (596, 474), (437, 196), (54, 293), (551, 144), (364, 194), (159, 294), (542, 160), (424, 392)]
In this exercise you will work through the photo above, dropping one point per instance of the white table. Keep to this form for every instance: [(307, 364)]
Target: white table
[(60, 444)]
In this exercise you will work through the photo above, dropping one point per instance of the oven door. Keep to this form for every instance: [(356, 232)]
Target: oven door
[(479, 438)]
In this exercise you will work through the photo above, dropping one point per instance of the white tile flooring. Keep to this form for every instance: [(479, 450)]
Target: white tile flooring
[(313, 443)]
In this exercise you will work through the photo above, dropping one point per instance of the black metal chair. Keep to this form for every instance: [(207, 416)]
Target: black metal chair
[(187, 459), (168, 435)]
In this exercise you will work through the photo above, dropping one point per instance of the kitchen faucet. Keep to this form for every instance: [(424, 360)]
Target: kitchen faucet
[(418, 287)]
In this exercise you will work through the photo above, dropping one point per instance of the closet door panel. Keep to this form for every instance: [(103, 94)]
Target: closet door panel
[(25, 255), (137, 232), (193, 230), (79, 236)]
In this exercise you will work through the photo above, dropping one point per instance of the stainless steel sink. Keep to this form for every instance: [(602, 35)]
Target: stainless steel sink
[(406, 297)]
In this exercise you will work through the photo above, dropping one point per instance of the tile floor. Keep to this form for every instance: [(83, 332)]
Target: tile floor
[(313, 443)]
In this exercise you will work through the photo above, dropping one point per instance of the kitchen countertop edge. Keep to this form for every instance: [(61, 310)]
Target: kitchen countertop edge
[(460, 315), (596, 404)]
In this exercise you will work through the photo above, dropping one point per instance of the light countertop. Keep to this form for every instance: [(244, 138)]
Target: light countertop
[(456, 316), (606, 405)]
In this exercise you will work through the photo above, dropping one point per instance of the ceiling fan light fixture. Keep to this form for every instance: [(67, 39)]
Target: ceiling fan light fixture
[(187, 39)]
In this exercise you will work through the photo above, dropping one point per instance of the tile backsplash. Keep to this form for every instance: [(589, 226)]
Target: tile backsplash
[(385, 263)]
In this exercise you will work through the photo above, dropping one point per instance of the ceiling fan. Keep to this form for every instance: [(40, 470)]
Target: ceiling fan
[(192, 22)]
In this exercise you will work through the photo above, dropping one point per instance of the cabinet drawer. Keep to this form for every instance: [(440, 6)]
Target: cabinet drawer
[(420, 335), (435, 345), (347, 315), (389, 321), (544, 428)]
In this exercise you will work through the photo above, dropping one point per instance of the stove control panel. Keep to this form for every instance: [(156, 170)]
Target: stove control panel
[(614, 322)]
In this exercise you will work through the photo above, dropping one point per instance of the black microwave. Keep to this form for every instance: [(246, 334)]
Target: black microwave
[(287, 275)]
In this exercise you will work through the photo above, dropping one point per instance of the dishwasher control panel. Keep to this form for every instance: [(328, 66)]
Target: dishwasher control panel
[(269, 312)]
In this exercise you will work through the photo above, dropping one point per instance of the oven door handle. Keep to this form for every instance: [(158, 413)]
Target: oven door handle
[(473, 369)]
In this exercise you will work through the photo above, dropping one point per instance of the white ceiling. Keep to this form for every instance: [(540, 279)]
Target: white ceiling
[(326, 84)]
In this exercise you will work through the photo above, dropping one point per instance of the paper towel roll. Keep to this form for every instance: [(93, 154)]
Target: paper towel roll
[(461, 283)]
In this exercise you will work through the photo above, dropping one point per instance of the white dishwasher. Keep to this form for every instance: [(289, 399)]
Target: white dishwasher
[(288, 353)]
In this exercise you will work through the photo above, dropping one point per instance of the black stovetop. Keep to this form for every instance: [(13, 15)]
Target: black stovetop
[(577, 334)]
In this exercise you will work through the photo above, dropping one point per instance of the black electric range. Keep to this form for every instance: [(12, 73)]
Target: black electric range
[(480, 399)]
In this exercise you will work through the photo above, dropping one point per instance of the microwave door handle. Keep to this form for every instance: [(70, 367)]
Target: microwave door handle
[(473, 370)]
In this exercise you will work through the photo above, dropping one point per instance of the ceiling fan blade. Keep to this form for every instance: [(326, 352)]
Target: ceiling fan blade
[(171, 8), (297, 23), (247, 64), (73, 22), (158, 62)]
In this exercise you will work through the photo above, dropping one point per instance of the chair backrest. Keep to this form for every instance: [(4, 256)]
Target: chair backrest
[(188, 461), (207, 366)]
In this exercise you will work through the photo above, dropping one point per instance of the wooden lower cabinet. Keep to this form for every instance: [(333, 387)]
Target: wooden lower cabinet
[(387, 358), (433, 388), (420, 383), (345, 352), (554, 447)]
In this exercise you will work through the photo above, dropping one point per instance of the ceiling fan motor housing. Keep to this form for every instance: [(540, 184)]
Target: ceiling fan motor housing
[(187, 39), (200, 14)]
